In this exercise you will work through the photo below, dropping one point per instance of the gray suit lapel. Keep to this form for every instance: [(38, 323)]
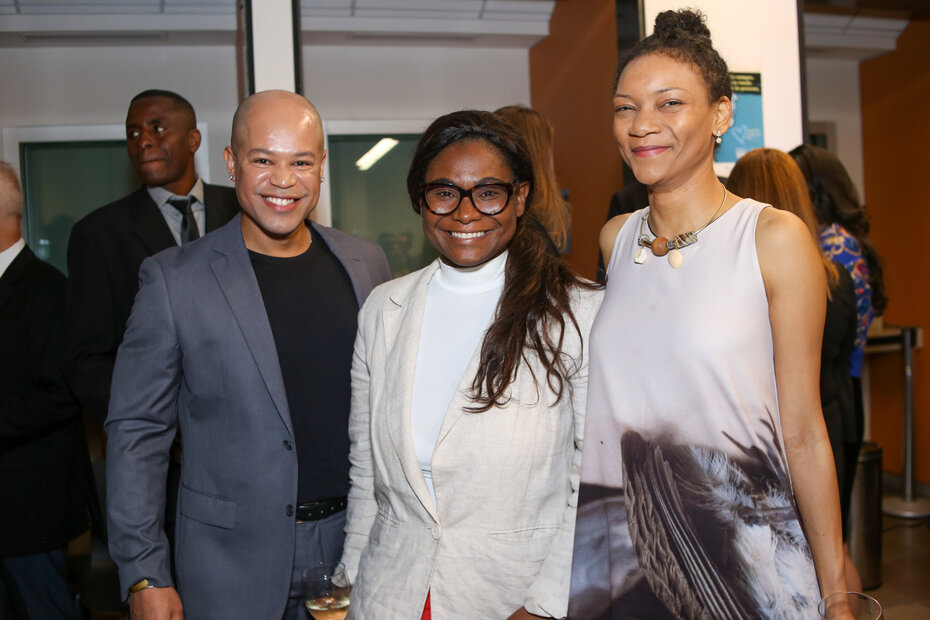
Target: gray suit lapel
[(234, 272), (352, 261)]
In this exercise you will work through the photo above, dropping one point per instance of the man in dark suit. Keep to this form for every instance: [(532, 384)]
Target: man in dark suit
[(43, 457), (107, 246), (244, 340)]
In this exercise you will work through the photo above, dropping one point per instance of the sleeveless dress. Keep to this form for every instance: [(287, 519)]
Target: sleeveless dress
[(686, 508)]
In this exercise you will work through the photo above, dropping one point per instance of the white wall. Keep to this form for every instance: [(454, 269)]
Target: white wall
[(408, 86), (412, 82), (756, 36), (93, 86), (833, 95)]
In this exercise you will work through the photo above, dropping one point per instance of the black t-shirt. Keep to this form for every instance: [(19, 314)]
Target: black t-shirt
[(312, 310)]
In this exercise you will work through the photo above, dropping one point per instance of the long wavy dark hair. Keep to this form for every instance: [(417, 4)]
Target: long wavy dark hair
[(535, 306), (836, 200)]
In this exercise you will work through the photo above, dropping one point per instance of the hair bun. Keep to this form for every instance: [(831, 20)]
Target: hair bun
[(685, 22)]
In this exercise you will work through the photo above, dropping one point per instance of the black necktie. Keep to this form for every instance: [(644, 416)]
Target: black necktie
[(189, 230)]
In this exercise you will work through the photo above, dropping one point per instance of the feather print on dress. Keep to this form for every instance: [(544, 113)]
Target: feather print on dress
[(697, 517)]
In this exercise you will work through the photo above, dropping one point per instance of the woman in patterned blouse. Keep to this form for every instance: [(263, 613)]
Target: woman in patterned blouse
[(844, 235)]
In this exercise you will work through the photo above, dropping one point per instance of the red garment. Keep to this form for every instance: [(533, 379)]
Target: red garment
[(426, 614)]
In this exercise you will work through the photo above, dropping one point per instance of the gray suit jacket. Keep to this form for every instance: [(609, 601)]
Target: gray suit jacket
[(199, 352)]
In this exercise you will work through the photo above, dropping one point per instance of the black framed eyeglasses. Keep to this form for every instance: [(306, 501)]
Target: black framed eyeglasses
[(488, 198)]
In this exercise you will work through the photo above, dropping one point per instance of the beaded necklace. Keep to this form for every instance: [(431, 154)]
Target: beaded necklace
[(661, 246)]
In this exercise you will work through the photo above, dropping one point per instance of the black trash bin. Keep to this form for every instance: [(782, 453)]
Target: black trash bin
[(865, 516)]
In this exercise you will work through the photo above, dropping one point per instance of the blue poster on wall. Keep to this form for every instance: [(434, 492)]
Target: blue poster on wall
[(745, 131)]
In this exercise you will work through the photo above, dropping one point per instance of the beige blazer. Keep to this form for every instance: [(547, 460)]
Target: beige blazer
[(506, 481)]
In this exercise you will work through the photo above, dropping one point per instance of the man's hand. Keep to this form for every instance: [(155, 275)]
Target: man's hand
[(523, 614), (155, 604)]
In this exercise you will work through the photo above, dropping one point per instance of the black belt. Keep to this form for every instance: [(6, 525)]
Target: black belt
[(314, 511)]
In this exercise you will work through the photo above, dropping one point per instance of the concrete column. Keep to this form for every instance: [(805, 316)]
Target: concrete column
[(269, 43)]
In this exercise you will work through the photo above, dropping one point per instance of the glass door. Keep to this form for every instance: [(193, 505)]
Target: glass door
[(373, 202), (63, 182)]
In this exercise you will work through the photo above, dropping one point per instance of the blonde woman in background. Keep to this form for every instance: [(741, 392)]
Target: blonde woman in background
[(552, 213)]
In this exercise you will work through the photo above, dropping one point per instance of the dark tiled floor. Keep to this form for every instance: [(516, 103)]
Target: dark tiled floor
[(905, 590)]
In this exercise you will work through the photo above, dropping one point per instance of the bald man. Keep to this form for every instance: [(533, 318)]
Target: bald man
[(244, 339)]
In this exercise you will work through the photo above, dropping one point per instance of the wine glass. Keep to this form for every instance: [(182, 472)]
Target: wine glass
[(326, 591), (861, 606)]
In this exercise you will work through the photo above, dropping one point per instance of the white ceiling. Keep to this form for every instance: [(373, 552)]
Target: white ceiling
[(452, 9), (481, 23), (850, 36), (486, 23)]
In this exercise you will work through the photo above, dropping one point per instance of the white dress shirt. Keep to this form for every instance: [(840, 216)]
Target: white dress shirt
[(172, 216), (8, 255)]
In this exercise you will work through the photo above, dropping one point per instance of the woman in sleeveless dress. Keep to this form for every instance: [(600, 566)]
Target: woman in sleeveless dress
[(707, 480)]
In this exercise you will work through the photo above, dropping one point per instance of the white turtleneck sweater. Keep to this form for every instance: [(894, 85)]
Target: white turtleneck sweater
[(460, 304)]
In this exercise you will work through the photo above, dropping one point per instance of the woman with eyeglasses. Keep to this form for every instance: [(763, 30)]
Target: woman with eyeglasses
[(468, 392)]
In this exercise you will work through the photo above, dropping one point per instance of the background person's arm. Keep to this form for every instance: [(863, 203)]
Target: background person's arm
[(35, 399), (92, 331)]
